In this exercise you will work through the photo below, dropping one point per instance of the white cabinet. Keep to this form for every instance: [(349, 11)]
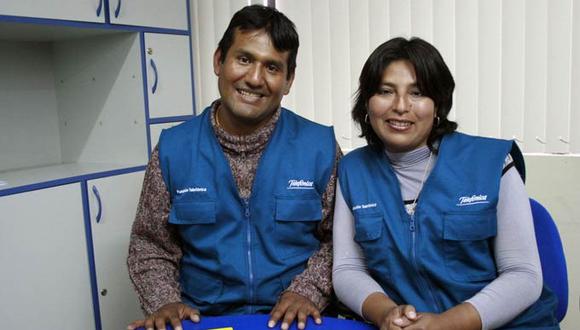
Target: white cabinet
[(44, 281), (170, 14), (73, 116), (74, 10), (113, 202), (169, 79)]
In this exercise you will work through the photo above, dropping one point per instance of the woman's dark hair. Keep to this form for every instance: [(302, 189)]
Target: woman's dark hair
[(434, 80), (279, 28)]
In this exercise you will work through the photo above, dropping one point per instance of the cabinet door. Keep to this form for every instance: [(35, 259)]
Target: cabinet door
[(44, 281), (118, 196), (168, 75), (170, 14), (72, 10)]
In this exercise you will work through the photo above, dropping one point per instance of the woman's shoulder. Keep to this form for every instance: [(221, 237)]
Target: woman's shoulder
[(361, 154)]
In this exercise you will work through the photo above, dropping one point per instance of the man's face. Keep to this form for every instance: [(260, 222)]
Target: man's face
[(252, 81)]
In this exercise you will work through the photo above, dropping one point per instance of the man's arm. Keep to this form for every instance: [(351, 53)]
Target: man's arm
[(314, 284), (154, 249)]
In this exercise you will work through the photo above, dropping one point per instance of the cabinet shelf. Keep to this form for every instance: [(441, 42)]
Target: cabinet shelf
[(59, 174), (77, 102)]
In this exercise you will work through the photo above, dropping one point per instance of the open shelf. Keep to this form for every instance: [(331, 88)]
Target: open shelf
[(71, 104)]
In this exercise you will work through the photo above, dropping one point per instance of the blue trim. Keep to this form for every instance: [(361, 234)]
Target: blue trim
[(192, 72), (107, 17), (89, 25), (145, 88), (164, 120), (51, 21), (73, 179), (91, 255)]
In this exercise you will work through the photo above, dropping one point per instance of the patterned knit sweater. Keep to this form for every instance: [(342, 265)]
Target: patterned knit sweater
[(155, 247)]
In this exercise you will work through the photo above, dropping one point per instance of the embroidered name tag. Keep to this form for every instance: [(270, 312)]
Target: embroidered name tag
[(190, 190), (364, 206), (473, 199), (300, 184)]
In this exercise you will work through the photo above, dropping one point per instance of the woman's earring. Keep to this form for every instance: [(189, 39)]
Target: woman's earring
[(367, 118), (437, 120)]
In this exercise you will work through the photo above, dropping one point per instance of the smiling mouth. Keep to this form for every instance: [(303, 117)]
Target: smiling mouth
[(399, 124), (249, 94)]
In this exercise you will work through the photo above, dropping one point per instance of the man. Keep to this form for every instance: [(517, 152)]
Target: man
[(236, 208)]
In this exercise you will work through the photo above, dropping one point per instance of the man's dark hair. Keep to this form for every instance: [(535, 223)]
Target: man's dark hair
[(434, 80), (279, 28)]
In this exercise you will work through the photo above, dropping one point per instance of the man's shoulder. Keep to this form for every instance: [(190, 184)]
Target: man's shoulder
[(305, 122), (188, 126)]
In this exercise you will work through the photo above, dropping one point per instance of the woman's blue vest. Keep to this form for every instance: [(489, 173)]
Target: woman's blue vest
[(443, 255), (240, 254)]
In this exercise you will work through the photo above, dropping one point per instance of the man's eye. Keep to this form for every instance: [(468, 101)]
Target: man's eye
[(243, 60), (273, 68)]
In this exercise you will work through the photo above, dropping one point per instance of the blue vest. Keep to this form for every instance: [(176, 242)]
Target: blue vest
[(240, 254), (443, 255)]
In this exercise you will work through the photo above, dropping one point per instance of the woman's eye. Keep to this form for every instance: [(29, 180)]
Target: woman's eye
[(385, 92), (416, 93)]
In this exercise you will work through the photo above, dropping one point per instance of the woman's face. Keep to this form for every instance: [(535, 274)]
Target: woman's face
[(401, 116)]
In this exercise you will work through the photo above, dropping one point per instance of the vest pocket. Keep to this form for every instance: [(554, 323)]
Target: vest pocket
[(192, 213), (296, 224), (369, 236), (200, 288), (467, 245)]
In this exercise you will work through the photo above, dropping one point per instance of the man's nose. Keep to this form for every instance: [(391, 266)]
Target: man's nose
[(255, 76)]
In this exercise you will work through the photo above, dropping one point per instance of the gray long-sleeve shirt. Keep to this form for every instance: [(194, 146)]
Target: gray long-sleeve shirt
[(519, 281)]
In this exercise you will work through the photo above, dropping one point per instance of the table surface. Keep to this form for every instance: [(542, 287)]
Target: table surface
[(259, 322)]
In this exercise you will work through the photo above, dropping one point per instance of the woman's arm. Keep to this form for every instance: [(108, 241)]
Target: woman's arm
[(349, 266), (519, 283)]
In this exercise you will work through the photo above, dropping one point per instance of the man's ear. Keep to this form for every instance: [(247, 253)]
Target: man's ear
[(289, 82), (217, 62)]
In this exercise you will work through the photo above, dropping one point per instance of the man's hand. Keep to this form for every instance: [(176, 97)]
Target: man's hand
[(399, 317), (171, 313), (292, 305)]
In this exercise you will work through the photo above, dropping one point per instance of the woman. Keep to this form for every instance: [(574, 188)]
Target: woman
[(432, 228)]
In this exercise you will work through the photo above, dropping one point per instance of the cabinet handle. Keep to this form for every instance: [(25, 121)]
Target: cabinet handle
[(98, 196), (118, 9), (154, 88), (99, 8)]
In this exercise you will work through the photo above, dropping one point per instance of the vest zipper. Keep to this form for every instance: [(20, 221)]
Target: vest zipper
[(414, 261), (249, 241)]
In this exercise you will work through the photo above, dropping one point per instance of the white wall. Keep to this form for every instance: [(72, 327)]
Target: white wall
[(554, 181), (516, 64)]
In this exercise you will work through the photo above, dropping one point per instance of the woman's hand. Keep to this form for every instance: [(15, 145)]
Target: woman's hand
[(426, 321), (398, 317), (461, 317)]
